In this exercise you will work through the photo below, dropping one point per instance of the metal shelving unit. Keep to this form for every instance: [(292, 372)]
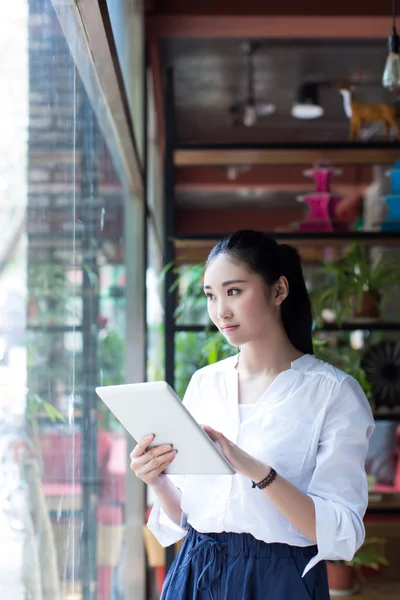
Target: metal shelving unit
[(212, 154)]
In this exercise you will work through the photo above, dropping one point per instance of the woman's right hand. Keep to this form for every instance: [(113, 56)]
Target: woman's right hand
[(148, 465)]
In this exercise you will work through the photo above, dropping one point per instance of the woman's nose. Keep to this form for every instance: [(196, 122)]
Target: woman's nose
[(224, 312)]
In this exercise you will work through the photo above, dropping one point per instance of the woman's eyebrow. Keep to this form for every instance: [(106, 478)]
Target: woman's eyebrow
[(225, 283)]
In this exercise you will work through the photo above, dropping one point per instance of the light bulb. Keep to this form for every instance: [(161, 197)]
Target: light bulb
[(250, 115), (391, 74), (306, 105), (307, 111)]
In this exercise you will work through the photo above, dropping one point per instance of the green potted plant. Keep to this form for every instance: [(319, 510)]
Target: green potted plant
[(345, 358), (194, 350), (344, 576), (353, 286), (327, 296)]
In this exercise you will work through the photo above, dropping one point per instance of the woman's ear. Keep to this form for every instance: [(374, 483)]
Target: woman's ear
[(281, 291)]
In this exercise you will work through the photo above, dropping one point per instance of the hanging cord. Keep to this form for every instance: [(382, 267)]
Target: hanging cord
[(394, 13), (250, 73)]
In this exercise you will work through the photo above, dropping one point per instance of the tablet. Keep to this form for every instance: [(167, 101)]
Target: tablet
[(153, 407)]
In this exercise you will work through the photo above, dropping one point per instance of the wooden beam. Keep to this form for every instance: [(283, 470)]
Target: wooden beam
[(196, 251), (300, 239), (88, 33), (198, 254), (260, 7), (268, 178), (191, 249), (345, 156), (157, 78), (267, 26)]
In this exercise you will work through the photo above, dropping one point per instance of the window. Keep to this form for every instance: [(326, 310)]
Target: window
[(63, 457)]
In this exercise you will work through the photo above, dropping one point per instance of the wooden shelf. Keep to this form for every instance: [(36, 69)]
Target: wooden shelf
[(192, 248), (324, 238), (275, 154), (383, 502), (376, 591)]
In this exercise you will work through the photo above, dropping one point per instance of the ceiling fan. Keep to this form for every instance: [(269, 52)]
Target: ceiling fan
[(247, 112)]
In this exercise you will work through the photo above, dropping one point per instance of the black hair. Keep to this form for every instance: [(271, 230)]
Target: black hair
[(264, 256)]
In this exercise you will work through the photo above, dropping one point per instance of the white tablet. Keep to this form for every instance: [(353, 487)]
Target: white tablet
[(153, 407)]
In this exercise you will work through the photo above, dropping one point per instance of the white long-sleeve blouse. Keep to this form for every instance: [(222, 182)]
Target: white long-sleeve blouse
[(312, 425)]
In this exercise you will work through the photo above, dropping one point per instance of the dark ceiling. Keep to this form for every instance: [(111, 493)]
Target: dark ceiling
[(210, 76)]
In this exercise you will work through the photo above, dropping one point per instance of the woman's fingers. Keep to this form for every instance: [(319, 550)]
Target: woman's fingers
[(151, 471), (147, 463), (216, 436), (151, 453), (142, 446), (148, 456), (157, 464), (152, 462)]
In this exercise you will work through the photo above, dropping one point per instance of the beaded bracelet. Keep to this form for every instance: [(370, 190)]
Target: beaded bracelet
[(265, 482)]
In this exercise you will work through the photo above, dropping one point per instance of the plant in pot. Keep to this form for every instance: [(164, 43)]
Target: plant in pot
[(353, 286), (347, 359), (344, 576)]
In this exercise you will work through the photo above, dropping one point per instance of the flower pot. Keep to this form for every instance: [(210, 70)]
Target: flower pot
[(341, 578), (370, 306)]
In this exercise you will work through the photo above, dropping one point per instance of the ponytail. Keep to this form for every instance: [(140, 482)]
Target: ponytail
[(296, 309), (264, 256)]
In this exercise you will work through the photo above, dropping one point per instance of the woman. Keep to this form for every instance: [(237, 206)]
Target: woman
[(295, 429)]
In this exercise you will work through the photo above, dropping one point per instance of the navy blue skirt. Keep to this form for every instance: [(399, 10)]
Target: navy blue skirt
[(236, 566)]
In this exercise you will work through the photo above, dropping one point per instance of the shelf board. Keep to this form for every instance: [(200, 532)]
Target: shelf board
[(388, 417), (342, 153), (194, 248), (363, 325), (381, 238), (375, 590)]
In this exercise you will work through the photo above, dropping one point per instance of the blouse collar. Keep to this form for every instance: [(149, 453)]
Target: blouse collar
[(300, 364)]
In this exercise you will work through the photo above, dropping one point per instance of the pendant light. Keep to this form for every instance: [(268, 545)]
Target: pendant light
[(391, 74), (250, 113), (306, 105)]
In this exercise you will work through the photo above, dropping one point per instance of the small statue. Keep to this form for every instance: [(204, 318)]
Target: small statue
[(359, 112), (322, 203)]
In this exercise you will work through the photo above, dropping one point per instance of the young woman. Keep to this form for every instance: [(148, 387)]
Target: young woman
[(295, 429)]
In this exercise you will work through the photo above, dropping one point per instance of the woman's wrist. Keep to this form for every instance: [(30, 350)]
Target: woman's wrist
[(160, 484), (258, 471)]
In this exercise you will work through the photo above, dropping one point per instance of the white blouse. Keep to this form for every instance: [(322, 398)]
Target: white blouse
[(312, 425)]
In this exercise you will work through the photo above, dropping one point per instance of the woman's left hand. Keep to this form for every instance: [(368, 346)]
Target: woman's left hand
[(242, 462)]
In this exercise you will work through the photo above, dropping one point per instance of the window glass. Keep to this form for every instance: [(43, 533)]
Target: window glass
[(63, 456)]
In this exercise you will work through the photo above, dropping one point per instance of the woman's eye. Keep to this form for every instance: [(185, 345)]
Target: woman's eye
[(233, 292), (209, 295)]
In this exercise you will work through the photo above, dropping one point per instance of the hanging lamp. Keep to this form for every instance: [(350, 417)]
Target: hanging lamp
[(248, 112), (391, 73), (306, 105)]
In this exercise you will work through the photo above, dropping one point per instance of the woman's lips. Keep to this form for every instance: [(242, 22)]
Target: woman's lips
[(229, 328)]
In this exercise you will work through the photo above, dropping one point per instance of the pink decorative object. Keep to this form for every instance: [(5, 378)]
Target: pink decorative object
[(321, 203)]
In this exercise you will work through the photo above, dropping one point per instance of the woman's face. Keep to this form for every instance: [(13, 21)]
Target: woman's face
[(240, 303)]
